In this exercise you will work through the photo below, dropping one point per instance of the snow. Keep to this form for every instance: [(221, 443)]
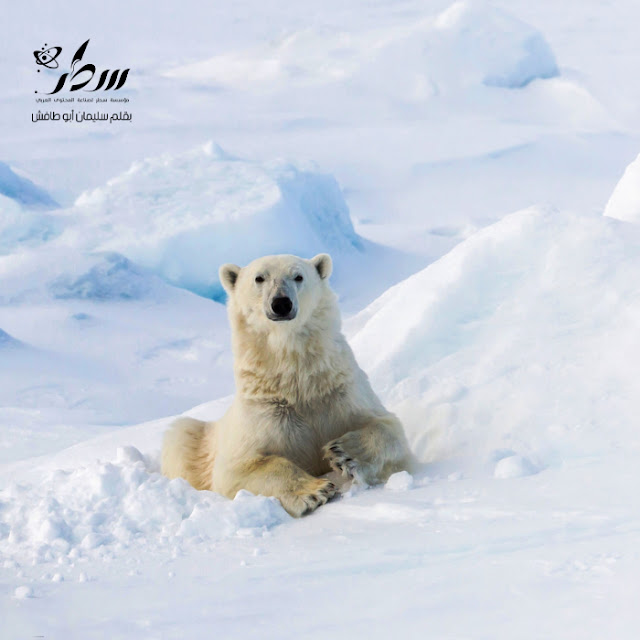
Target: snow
[(468, 44), (492, 45), (23, 592), (99, 340), (624, 203), (487, 367), (514, 467), (534, 316), (23, 190), (113, 277), (7, 342), (105, 510), (456, 160), (24, 227), (184, 216), (401, 481)]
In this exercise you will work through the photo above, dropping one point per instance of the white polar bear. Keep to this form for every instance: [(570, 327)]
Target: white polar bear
[(302, 404)]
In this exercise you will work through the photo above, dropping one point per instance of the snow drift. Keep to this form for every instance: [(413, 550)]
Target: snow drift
[(521, 341), (102, 340), (184, 216), (99, 510), (470, 44)]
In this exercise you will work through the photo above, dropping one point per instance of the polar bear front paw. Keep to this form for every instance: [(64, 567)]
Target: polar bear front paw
[(312, 495), (341, 458)]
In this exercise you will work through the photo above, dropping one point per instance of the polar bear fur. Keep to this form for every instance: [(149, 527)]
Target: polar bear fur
[(302, 408)]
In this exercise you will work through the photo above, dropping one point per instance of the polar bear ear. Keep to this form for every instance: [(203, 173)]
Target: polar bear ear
[(228, 276), (323, 264)]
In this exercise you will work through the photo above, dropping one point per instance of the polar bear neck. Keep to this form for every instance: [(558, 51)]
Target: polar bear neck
[(295, 368)]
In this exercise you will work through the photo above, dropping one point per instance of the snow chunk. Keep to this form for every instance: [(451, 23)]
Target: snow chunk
[(183, 216), (401, 481), (245, 515), (624, 203), (514, 467), (129, 454), (102, 509), (23, 592)]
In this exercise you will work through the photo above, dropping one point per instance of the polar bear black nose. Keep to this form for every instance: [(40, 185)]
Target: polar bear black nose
[(282, 306)]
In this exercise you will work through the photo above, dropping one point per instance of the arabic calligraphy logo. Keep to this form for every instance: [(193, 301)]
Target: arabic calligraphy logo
[(87, 71), (47, 57)]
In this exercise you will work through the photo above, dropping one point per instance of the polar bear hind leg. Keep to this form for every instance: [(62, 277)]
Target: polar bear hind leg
[(188, 452)]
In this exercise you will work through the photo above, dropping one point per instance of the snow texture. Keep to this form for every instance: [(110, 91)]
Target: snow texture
[(21, 227), (113, 508), (23, 190), (492, 339), (624, 203), (514, 467), (184, 216), (401, 481), (113, 277), (6, 341), (480, 43), (468, 44)]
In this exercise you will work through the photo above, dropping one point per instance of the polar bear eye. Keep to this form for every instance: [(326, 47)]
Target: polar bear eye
[(259, 279), (298, 278)]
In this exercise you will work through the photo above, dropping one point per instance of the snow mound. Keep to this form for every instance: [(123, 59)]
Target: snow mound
[(480, 43), (514, 467), (401, 481), (524, 337), (23, 592), (468, 44), (112, 277), (94, 328), (22, 190), (101, 510), (184, 216), (624, 203), (46, 274)]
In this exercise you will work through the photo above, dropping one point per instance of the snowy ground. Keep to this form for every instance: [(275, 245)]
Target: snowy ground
[(473, 169)]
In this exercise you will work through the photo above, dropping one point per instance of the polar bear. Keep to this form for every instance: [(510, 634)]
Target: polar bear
[(302, 407)]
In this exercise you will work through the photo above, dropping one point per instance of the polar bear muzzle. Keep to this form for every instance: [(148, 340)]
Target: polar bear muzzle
[(282, 309), (280, 299)]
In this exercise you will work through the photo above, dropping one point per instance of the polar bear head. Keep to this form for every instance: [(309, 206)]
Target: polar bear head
[(278, 293)]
